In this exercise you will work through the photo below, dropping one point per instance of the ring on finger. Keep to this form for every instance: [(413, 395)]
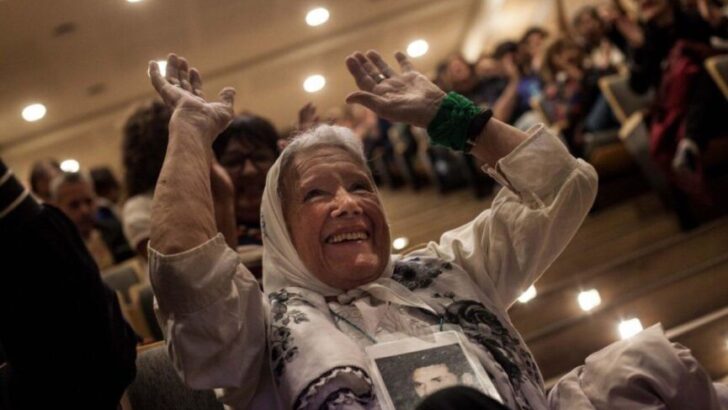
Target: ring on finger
[(379, 78)]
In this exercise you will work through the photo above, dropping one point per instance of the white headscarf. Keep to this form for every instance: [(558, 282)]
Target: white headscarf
[(283, 268)]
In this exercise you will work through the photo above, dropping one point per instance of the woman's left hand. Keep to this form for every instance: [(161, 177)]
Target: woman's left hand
[(407, 97), (181, 90)]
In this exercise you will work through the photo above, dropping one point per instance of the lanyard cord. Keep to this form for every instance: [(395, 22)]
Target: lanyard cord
[(367, 335), (350, 323)]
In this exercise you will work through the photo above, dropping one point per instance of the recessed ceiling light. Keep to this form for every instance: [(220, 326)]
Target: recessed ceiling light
[(70, 165), (133, 1), (589, 299), (528, 295), (629, 328), (162, 67), (417, 48), (317, 17), (314, 83), (400, 243), (34, 112)]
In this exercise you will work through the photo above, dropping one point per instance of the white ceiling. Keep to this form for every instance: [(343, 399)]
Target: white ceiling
[(263, 48)]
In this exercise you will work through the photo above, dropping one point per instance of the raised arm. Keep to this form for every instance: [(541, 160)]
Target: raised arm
[(562, 20), (547, 191), (183, 214), (412, 98), (209, 305)]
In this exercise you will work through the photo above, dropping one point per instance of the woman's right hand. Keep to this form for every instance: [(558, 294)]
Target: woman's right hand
[(181, 90), (407, 97)]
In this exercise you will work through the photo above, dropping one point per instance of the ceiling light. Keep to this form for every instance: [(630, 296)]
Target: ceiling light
[(162, 64), (589, 299), (34, 112), (317, 17), (417, 48), (70, 165), (314, 83), (528, 295), (133, 1), (629, 328), (400, 243)]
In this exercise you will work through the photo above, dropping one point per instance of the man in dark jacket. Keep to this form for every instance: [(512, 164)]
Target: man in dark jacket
[(64, 339)]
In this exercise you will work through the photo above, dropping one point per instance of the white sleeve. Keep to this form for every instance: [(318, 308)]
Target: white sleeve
[(136, 219), (212, 312), (547, 194)]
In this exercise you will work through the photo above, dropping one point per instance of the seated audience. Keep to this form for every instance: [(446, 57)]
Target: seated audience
[(531, 48), (108, 192), (143, 148), (41, 175), (499, 76), (73, 194), (604, 32), (65, 342), (569, 91), (688, 107)]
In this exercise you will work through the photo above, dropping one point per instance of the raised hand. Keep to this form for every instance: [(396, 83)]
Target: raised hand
[(307, 117), (407, 97), (181, 90)]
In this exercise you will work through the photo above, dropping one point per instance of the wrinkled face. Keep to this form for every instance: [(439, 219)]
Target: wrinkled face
[(76, 200), (652, 9), (335, 218), (247, 164), (430, 379)]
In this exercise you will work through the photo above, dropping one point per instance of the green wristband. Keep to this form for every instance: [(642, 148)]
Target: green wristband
[(450, 126)]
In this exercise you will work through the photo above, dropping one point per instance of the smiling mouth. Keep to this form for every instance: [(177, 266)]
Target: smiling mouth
[(347, 237)]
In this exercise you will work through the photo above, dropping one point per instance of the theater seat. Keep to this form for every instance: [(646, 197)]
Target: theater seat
[(622, 100), (718, 68), (157, 386), (142, 308), (120, 278)]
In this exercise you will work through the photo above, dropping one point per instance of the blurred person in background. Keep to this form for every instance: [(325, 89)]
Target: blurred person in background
[(246, 150), (41, 174), (108, 192), (143, 147), (531, 48), (499, 76), (65, 341), (689, 107), (73, 193), (568, 90)]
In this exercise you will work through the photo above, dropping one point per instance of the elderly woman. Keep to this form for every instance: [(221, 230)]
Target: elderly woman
[(331, 287)]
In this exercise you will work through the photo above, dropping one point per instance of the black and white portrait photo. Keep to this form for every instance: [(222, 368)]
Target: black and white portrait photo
[(413, 370)]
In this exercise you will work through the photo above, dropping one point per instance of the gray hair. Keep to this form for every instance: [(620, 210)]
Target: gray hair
[(318, 137), (68, 178)]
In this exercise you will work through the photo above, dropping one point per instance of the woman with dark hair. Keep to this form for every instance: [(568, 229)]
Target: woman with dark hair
[(247, 149), (143, 149)]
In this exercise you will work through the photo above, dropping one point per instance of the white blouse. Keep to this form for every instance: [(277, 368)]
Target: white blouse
[(215, 316)]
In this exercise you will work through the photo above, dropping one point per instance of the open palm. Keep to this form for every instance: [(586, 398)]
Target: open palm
[(407, 97), (181, 89)]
